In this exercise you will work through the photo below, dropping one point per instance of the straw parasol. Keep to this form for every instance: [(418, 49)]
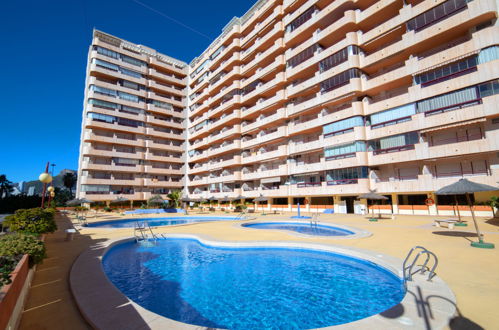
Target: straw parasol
[(466, 187), (119, 200), (373, 195), (261, 198), (73, 202)]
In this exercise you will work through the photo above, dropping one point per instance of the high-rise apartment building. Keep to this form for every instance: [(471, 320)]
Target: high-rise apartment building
[(132, 141), (317, 102)]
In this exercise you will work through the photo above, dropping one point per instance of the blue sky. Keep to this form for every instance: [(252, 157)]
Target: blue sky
[(43, 53)]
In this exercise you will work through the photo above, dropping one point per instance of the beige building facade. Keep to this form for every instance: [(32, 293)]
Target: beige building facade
[(316, 102)]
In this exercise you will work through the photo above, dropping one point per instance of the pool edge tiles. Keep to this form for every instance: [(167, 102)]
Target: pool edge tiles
[(355, 232), (105, 307)]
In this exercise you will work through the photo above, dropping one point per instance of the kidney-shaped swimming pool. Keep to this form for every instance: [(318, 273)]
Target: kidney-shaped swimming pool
[(250, 288)]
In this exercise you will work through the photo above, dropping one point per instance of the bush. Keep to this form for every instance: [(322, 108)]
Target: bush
[(7, 265), (18, 244), (32, 221)]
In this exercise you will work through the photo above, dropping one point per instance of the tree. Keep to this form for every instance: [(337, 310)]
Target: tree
[(6, 186), (69, 180), (175, 196)]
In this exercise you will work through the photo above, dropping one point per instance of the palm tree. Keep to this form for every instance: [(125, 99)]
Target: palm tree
[(175, 196), (69, 180), (6, 186)]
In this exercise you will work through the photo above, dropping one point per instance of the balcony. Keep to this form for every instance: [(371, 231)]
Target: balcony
[(228, 147), (91, 137), (259, 106), (220, 164), (282, 170), (270, 119), (225, 133), (281, 151), (111, 153), (110, 197), (148, 169), (304, 147), (280, 133), (111, 167), (350, 187), (166, 77), (162, 184)]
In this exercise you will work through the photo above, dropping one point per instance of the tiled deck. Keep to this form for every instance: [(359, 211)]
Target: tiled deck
[(471, 273)]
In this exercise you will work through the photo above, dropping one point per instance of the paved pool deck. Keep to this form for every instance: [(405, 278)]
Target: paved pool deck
[(472, 274)]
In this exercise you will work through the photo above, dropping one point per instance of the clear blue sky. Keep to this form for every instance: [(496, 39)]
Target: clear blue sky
[(43, 56)]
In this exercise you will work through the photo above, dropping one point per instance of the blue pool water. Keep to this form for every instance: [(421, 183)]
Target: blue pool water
[(155, 222), (250, 288), (302, 228)]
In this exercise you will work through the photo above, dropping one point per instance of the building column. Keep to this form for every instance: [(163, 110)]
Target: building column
[(307, 207), (433, 208), (336, 202), (395, 203), (290, 203)]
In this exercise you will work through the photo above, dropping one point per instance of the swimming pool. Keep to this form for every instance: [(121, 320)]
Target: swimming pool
[(251, 287), (155, 222), (302, 228)]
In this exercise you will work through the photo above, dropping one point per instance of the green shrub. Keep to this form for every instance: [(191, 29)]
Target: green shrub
[(7, 265), (107, 209), (33, 221), (18, 244)]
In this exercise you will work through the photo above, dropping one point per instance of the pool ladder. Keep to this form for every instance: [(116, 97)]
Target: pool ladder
[(314, 220), (142, 231), (408, 267)]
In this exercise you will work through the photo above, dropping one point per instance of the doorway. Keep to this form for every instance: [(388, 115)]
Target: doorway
[(349, 201)]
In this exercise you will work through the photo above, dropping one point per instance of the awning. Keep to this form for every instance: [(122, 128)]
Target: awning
[(462, 123), (454, 59), (271, 180)]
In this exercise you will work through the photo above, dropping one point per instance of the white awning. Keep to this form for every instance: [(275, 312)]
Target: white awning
[(462, 123), (271, 180)]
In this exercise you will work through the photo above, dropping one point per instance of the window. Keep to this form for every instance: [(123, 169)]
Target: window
[(338, 58), (102, 104), (131, 110), (394, 143), (107, 52), (346, 175), (447, 72), (342, 126), (436, 14), (95, 189), (301, 19), (450, 101), (163, 105), (393, 116), (130, 73), (344, 151), (132, 60), (105, 64), (489, 88), (128, 97), (488, 54), (303, 56), (103, 91), (131, 85), (101, 117), (217, 52), (339, 80)]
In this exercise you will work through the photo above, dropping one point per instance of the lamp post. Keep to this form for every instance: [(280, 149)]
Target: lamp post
[(45, 178)]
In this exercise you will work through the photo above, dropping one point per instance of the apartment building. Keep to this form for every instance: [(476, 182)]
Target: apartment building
[(133, 137), (316, 102)]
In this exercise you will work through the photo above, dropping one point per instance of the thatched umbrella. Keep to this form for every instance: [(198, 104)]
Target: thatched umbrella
[(73, 202), (261, 198), (86, 201), (373, 195), (119, 200), (467, 187)]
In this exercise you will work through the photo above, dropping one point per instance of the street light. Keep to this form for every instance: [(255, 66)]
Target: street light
[(45, 178)]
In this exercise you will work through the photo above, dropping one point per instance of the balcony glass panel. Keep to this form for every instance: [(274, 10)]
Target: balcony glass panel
[(342, 126), (393, 116), (297, 22)]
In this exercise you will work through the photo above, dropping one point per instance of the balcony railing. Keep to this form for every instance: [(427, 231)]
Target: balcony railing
[(393, 149), (391, 122), (342, 181), (308, 184), (342, 156)]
